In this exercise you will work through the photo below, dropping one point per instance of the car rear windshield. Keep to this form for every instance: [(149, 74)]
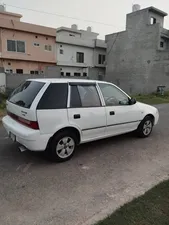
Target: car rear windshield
[(25, 94)]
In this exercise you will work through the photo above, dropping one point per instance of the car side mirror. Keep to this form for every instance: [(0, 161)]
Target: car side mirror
[(132, 101)]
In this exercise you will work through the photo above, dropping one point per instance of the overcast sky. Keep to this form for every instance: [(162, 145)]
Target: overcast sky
[(104, 11)]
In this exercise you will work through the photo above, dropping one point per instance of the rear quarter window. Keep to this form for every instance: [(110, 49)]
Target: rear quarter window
[(55, 97), (25, 94)]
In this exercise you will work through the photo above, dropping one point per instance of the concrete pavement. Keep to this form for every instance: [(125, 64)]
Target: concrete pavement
[(101, 176)]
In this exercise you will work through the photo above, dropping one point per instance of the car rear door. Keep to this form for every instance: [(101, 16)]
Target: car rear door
[(52, 108), (86, 111)]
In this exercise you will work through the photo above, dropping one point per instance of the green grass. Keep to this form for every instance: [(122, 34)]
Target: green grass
[(153, 99), (2, 106), (150, 209), (2, 114)]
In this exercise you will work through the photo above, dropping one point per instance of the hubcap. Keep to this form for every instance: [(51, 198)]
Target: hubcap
[(65, 147), (147, 127)]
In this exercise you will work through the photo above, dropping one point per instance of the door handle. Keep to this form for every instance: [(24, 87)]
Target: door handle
[(112, 113), (76, 116)]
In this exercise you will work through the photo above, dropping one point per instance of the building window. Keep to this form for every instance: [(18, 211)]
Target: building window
[(20, 71), (46, 38), (11, 46), (62, 73), (34, 72), (68, 74), (61, 46), (80, 57), (9, 64), (61, 51), (153, 20), (77, 74), (48, 48), (16, 46), (161, 44), (85, 74), (9, 71), (71, 35), (101, 59), (21, 46), (36, 44), (36, 36)]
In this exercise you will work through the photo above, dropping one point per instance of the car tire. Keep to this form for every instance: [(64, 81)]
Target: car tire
[(62, 146), (145, 127)]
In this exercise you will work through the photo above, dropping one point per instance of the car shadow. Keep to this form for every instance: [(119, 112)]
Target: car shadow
[(103, 143), (10, 151)]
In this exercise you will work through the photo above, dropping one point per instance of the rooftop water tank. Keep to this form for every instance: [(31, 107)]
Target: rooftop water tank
[(136, 7), (89, 29), (2, 8), (74, 27)]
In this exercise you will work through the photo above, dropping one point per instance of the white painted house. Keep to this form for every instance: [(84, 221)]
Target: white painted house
[(78, 51)]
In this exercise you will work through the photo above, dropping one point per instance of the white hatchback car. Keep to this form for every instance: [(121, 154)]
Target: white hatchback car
[(55, 115)]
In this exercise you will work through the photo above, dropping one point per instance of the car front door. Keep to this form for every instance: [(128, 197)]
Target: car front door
[(86, 111), (121, 116)]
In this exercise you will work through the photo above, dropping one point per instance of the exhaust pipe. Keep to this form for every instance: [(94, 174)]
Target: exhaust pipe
[(22, 148)]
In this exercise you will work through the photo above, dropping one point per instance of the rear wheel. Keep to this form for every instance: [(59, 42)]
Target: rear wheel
[(62, 146), (146, 126)]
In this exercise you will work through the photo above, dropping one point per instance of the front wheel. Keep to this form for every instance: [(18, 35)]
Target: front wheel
[(145, 127), (62, 146)]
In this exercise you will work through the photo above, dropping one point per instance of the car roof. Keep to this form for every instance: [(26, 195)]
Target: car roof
[(66, 80)]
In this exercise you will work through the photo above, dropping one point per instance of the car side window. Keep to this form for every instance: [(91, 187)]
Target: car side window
[(84, 96), (113, 96), (75, 101), (55, 97)]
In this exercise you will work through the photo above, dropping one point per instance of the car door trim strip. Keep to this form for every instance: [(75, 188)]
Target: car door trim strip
[(116, 124)]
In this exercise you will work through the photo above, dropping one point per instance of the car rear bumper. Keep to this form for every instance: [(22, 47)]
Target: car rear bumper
[(31, 139)]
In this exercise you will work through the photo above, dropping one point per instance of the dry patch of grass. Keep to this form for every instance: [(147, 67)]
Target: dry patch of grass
[(2, 114), (2, 108)]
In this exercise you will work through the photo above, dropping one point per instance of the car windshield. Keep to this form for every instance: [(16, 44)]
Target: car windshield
[(26, 93)]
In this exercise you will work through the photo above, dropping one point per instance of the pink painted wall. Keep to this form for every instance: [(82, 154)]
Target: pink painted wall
[(32, 53), (25, 65), (35, 57)]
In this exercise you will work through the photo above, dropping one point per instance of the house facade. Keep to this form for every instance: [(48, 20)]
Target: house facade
[(79, 52), (138, 58), (25, 48)]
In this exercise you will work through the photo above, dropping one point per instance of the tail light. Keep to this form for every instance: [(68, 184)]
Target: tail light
[(31, 124)]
